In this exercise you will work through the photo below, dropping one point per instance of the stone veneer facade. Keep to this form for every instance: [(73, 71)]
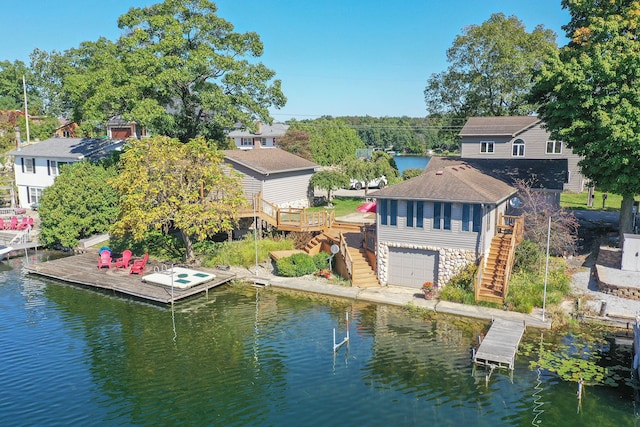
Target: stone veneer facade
[(450, 261)]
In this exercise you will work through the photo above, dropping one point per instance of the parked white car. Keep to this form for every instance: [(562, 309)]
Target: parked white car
[(379, 182)]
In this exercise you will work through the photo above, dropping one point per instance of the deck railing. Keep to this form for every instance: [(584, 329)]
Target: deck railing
[(344, 250), (289, 218)]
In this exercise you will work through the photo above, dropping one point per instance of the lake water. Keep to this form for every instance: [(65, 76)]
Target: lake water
[(408, 162), (248, 357)]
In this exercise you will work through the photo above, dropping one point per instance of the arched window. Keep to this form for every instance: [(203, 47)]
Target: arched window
[(518, 148)]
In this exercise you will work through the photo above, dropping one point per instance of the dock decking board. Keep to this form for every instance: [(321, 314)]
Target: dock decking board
[(500, 345), (82, 270)]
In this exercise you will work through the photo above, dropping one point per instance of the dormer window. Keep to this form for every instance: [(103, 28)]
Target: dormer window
[(518, 148)]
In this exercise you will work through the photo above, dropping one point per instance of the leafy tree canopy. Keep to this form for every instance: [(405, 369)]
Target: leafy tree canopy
[(296, 142), (491, 69), (170, 186), (330, 181), (589, 93), (80, 203), (178, 69), (330, 141)]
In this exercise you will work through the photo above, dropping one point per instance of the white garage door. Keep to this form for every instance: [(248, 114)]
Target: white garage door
[(412, 267)]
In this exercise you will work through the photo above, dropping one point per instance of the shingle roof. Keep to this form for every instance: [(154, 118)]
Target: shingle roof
[(497, 126), (540, 173), (269, 160), (274, 130), (450, 182), (74, 148)]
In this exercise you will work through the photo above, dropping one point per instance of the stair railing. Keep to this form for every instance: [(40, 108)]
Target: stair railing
[(344, 250)]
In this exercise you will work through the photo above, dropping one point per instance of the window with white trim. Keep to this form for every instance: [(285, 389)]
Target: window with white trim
[(246, 142), (554, 147), (471, 217), (28, 165), (263, 142), (487, 147), (415, 213), (518, 148), (35, 194), (442, 216)]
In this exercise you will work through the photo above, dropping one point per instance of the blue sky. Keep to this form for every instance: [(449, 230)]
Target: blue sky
[(334, 57)]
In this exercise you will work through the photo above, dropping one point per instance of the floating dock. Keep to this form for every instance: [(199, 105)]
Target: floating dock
[(82, 270), (499, 347)]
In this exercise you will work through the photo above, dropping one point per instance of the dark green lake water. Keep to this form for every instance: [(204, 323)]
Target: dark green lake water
[(243, 357)]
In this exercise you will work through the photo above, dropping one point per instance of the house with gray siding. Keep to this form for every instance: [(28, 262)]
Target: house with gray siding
[(281, 177), (518, 138), (431, 226), (265, 136)]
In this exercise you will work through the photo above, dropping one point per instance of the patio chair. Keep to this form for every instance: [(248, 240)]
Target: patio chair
[(3, 226), (124, 260), (26, 223), (104, 260), (13, 225), (138, 265)]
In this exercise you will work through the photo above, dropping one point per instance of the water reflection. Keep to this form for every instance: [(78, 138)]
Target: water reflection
[(256, 357)]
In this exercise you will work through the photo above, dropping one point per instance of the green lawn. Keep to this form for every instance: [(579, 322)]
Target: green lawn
[(342, 205), (570, 200)]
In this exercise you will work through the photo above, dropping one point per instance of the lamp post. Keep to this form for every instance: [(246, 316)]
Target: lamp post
[(546, 272)]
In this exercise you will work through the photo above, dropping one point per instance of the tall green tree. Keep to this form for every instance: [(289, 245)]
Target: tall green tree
[(589, 93), (11, 88), (80, 203), (174, 187), (490, 71), (329, 180), (331, 141), (178, 69)]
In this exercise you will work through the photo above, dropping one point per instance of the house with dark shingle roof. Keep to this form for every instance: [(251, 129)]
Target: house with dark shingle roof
[(265, 136), (37, 165), (519, 139), (281, 177), (431, 226)]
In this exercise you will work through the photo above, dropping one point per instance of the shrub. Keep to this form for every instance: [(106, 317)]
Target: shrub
[(240, 253), (296, 265), (321, 260), (465, 279), (528, 257)]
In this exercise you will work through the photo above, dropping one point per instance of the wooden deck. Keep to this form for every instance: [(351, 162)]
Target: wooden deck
[(82, 270), (499, 347)]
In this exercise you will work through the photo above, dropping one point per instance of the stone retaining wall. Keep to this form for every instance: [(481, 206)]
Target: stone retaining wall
[(450, 261), (611, 259)]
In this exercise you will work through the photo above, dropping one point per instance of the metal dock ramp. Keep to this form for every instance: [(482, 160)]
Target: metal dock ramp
[(499, 347)]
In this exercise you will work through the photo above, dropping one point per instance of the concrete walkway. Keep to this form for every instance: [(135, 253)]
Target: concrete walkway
[(393, 295)]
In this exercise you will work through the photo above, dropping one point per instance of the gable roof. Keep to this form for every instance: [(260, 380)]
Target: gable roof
[(498, 126), (70, 148), (449, 182), (269, 160), (274, 130)]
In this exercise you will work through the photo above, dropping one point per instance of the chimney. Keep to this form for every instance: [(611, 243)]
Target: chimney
[(258, 127)]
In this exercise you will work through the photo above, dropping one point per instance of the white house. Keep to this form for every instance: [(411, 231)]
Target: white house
[(37, 165), (265, 136)]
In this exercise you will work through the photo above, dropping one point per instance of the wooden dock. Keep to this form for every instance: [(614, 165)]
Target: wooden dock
[(499, 347), (82, 270)]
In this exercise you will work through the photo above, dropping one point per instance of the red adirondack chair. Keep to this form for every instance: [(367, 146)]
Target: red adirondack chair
[(124, 260), (14, 223), (138, 265), (26, 223), (105, 259), (3, 226)]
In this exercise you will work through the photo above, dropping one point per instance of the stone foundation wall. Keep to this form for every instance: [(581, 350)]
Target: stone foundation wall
[(300, 203), (450, 261), (606, 273)]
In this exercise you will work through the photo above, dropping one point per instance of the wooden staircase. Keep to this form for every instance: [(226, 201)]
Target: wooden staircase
[(493, 275), (362, 273), (356, 259)]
